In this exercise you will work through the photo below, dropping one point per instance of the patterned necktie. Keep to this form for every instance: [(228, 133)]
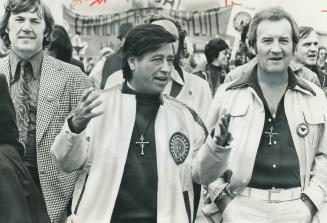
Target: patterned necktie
[(23, 106)]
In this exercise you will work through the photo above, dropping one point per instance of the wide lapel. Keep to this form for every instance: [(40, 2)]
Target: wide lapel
[(52, 84), (5, 68)]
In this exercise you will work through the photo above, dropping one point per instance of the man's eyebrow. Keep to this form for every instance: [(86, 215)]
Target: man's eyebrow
[(157, 55)]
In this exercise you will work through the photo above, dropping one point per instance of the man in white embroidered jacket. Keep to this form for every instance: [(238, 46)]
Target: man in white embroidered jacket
[(140, 155), (278, 123)]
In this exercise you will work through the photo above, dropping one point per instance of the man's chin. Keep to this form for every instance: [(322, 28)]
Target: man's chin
[(25, 52)]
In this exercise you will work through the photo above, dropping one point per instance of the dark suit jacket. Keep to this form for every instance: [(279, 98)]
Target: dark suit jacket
[(20, 198)]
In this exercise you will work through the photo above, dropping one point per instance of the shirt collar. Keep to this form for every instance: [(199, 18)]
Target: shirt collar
[(176, 77), (35, 60), (127, 88), (249, 79)]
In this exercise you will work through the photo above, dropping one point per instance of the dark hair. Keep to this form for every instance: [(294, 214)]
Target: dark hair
[(19, 6), (123, 30), (61, 44), (244, 33), (213, 48), (182, 46), (304, 31), (141, 40), (272, 14)]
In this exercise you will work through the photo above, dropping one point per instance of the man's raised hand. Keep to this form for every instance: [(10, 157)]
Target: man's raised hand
[(84, 110), (222, 135)]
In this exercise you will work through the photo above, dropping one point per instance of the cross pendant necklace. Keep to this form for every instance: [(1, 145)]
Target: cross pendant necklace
[(142, 144), (271, 134)]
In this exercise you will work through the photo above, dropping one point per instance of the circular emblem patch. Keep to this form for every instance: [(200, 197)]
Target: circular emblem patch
[(179, 147), (302, 130)]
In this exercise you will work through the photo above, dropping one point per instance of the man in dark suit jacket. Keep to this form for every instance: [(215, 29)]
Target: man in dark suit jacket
[(20, 198)]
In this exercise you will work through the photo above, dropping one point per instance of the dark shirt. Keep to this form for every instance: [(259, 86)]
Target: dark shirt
[(137, 197), (112, 64), (276, 164)]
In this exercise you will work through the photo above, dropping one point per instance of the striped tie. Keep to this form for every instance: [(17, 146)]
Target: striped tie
[(24, 106)]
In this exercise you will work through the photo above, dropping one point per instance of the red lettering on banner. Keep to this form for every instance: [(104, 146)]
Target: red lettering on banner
[(92, 3), (98, 1), (232, 2)]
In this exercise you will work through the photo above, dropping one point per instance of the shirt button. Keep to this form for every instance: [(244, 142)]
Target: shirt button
[(269, 119), (275, 142), (274, 165)]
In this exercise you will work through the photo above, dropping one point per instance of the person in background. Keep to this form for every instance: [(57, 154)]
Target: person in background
[(61, 47), (279, 145), (95, 75), (132, 134), (44, 91), (217, 54), (113, 62), (322, 66), (306, 54), (89, 65), (19, 195), (321, 59)]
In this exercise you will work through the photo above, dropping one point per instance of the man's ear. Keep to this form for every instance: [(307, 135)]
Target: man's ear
[(131, 63)]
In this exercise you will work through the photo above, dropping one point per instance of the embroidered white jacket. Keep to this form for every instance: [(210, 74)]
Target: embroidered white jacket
[(100, 152)]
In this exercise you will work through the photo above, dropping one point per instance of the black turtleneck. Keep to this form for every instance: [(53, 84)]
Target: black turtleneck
[(137, 197)]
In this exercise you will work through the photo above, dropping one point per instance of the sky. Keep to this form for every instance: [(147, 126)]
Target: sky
[(305, 12)]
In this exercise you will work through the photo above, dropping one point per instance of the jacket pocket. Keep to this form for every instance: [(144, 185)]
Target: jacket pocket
[(239, 108), (314, 118), (314, 123)]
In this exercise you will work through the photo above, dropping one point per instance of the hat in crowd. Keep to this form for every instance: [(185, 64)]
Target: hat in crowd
[(123, 29), (105, 51)]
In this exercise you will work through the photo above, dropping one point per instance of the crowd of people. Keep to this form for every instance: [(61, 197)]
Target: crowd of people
[(152, 135)]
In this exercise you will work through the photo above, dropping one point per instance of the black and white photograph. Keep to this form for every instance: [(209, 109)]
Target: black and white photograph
[(163, 111)]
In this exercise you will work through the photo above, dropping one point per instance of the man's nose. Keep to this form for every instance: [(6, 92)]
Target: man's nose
[(313, 47), (276, 47), (166, 66), (26, 26)]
